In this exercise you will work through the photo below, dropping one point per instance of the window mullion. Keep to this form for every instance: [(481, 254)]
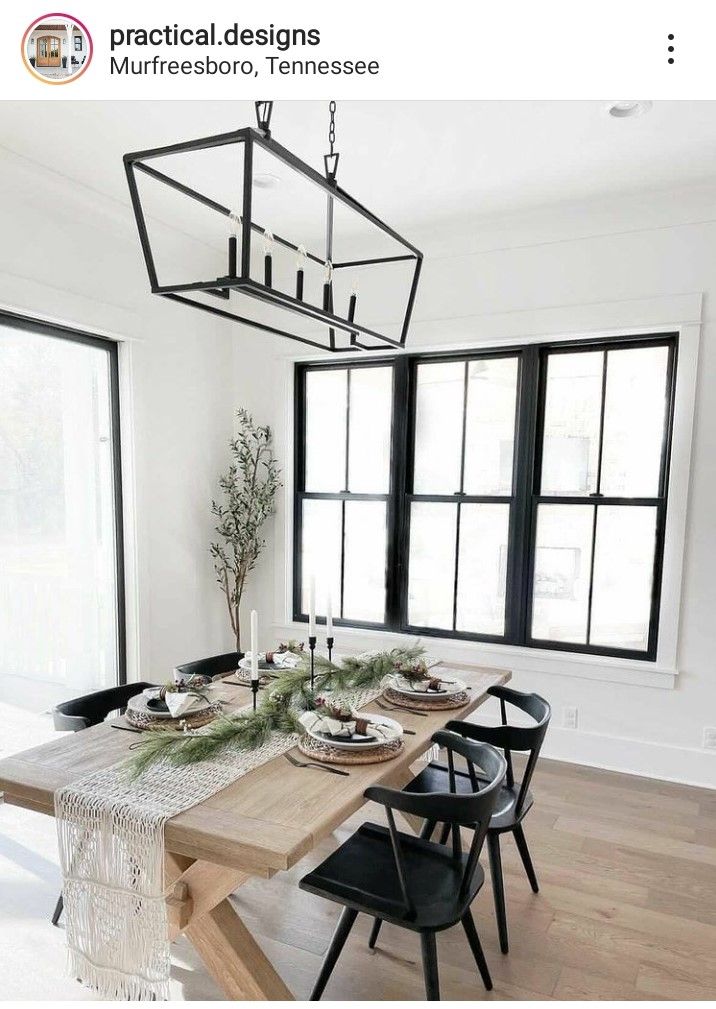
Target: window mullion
[(396, 574), (521, 547)]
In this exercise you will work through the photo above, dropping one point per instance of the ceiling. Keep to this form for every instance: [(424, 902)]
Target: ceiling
[(414, 163)]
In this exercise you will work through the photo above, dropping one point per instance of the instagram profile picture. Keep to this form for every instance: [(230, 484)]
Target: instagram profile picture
[(56, 48)]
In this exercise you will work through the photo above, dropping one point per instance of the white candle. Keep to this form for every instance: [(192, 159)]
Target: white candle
[(329, 617), (254, 645), (312, 608)]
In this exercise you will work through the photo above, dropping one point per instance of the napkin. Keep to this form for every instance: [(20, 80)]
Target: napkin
[(282, 660), (181, 704), (317, 722)]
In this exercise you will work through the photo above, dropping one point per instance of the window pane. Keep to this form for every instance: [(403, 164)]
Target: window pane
[(562, 568), (321, 553), (634, 414), (490, 425), (482, 568), (438, 427), (570, 454), (623, 576), (58, 589), (364, 578), (326, 430), (370, 427), (432, 564)]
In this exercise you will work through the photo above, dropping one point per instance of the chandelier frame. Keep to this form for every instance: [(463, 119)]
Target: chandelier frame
[(360, 337)]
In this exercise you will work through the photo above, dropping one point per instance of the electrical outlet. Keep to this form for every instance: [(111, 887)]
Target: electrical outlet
[(710, 737), (569, 717)]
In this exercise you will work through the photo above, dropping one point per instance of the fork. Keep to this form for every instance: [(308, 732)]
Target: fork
[(317, 767)]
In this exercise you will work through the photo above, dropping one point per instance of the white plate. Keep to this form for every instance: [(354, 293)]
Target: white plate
[(381, 719), (449, 686)]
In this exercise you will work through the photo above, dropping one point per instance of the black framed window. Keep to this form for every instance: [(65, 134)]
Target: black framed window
[(514, 496), (345, 489)]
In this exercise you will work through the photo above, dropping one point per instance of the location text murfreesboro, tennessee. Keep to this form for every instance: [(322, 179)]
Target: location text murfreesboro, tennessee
[(255, 63)]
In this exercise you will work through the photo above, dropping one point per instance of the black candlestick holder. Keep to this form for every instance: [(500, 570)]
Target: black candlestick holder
[(312, 648), (329, 643), (254, 690)]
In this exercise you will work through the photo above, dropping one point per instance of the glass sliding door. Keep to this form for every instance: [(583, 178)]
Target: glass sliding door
[(61, 612)]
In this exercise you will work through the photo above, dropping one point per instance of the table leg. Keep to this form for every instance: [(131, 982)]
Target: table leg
[(233, 958), (199, 908)]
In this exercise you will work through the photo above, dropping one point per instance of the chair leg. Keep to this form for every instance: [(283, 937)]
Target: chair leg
[(377, 922), (445, 833), (472, 937), (58, 910), (345, 924), (430, 966), (524, 851), (498, 889)]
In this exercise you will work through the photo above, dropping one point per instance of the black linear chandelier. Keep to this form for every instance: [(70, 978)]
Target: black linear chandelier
[(335, 313)]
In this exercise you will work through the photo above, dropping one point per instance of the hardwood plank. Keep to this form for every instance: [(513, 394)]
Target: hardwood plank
[(659, 983), (641, 840)]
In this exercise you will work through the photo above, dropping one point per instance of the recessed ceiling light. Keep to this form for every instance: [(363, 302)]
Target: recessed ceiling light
[(628, 110), (266, 181)]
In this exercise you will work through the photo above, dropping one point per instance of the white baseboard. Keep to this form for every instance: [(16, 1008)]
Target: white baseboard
[(686, 765)]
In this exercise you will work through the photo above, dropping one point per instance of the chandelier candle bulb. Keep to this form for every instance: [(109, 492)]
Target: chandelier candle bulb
[(268, 246), (301, 259), (234, 227)]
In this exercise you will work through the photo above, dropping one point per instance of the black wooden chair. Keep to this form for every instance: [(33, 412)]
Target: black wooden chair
[(409, 881), (86, 711), (514, 800), (215, 665)]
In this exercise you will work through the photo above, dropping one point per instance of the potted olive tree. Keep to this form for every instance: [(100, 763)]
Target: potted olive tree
[(248, 494)]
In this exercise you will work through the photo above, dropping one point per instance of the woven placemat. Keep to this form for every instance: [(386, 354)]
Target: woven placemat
[(195, 720), (421, 703), (316, 749), (244, 676)]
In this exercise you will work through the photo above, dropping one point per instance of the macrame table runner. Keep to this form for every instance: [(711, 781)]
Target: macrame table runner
[(111, 838)]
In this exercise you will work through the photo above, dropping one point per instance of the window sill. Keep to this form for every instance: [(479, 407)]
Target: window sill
[(632, 672)]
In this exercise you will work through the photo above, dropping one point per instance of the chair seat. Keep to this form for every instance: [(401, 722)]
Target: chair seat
[(435, 778), (361, 874)]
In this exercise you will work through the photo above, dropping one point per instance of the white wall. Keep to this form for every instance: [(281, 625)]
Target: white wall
[(68, 255), (569, 270)]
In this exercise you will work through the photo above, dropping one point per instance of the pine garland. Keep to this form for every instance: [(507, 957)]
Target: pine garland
[(288, 696)]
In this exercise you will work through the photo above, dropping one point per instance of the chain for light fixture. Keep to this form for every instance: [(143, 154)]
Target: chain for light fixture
[(330, 160), (313, 297)]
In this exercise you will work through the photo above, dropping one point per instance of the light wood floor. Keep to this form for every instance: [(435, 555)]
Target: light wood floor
[(627, 908)]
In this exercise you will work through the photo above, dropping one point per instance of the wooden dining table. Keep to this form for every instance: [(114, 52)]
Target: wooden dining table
[(263, 823)]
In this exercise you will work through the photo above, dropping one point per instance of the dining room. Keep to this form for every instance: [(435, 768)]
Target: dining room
[(356, 550)]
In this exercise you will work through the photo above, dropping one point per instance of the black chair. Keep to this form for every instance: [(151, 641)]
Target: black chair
[(215, 665), (514, 800), (86, 711), (409, 881)]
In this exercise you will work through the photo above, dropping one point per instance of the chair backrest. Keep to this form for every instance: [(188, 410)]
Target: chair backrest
[(523, 738), (215, 665), (457, 809), (91, 709)]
